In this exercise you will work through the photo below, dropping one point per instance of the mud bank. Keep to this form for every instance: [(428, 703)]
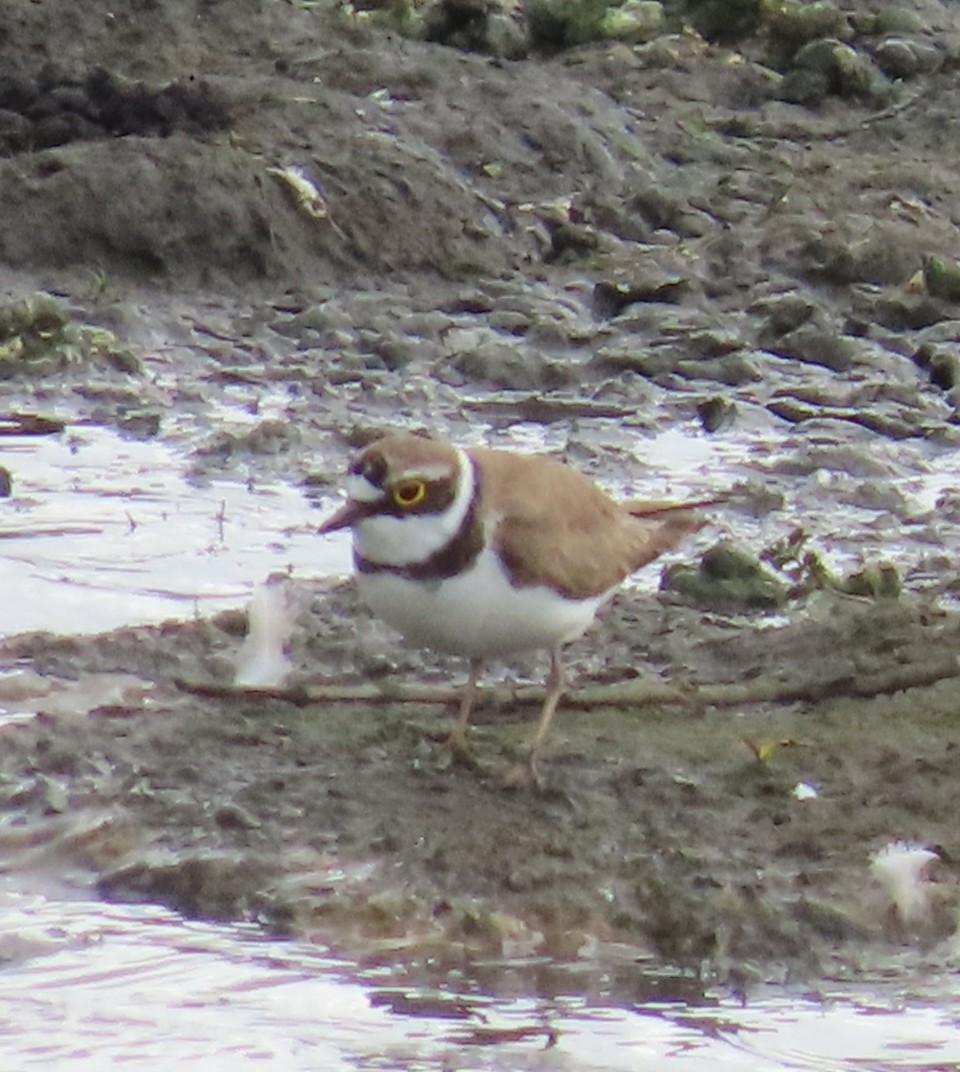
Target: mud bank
[(327, 227), (674, 829)]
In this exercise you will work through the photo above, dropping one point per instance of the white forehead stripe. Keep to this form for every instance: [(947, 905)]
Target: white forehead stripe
[(427, 472), (361, 490)]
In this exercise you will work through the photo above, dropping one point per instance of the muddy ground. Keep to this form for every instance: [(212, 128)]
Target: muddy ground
[(600, 241)]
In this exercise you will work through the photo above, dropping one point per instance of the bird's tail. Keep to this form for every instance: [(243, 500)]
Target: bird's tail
[(663, 525), (652, 509)]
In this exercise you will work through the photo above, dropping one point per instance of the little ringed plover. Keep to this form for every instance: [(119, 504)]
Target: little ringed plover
[(486, 553)]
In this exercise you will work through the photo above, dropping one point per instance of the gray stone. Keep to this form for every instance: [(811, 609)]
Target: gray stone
[(816, 345), (503, 366)]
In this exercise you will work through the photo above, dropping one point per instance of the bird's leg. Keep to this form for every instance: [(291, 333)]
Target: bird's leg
[(556, 685), (458, 735), (527, 773)]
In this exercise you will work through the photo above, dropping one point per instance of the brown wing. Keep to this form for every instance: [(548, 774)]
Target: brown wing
[(556, 527)]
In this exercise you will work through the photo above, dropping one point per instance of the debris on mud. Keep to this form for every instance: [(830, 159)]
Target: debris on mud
[(39, 337)]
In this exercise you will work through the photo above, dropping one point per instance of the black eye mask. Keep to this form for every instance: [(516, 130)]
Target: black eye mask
[(372, 467)]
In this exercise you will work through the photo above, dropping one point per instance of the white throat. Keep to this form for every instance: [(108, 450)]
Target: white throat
[(401, 541)]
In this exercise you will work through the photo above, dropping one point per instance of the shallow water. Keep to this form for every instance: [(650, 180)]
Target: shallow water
[(84, 985), (104, 531)]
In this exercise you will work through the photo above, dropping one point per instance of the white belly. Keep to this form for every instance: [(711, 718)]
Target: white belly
[(477, 613)]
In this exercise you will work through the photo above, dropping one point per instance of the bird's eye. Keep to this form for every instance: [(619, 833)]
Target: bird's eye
[(409, 492)]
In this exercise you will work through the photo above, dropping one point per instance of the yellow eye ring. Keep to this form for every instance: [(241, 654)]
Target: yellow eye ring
[(409, 493)]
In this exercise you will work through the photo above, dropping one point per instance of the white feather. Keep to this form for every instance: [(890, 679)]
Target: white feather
[(261, 662), (901, 869)]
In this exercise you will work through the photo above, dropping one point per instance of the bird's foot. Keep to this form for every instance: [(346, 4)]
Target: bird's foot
[(524, 774), (456, 748)]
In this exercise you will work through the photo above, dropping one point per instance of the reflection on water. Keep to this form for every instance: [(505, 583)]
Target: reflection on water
[(104, 531), (86, 986)]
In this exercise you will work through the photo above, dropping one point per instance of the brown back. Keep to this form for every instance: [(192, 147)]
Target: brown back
[(567, 533)]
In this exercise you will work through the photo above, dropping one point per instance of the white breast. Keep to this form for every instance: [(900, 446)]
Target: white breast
[(477, 613)]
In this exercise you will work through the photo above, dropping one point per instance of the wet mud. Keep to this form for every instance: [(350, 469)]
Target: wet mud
[(579, 250), (674, 828)]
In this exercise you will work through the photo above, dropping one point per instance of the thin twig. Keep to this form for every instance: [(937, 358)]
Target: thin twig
[(630, 695)]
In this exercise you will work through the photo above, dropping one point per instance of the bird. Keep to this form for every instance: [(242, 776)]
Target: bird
[(488, 553)]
